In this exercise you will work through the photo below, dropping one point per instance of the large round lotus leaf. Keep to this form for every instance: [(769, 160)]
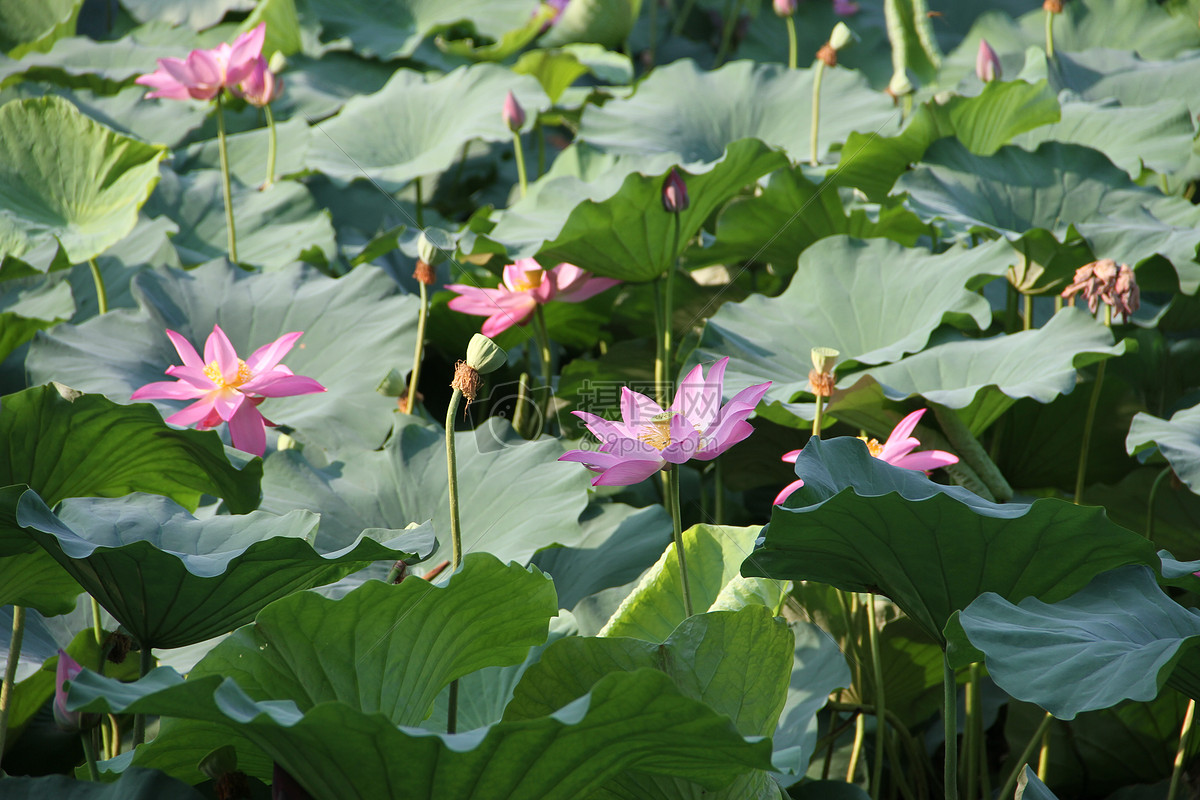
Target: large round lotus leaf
[(361, 313), (514, 497), (605, 22), (982, 123), (635, 720), (654, 609), (693, 114), (1101, 74), (417, 124), (1177, 439), (196, 14), (770, 338), (137, 784), (862, 525), (1059, 188), (1119, 638), (982, 378), (173, 580), (35, 25), (65, 444), (30, 305), (735, 662), (394, 28), (67, 181), (624, 232), (274, 227)]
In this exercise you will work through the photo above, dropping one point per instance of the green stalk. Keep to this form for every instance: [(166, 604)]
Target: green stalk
[(950, 715), (270, 147), (89, 755), (669, 311), (860, 730), (10, 672), (1093, 403), (731, 15), (145, 660), (880, 701), (415, 378), (718, 493), (1049, 34), (420, 203), (816, 428), (97, 629), (542, 333), (660, 368), (1011, 315), (1026, 311), (684, 13), (224, 153), (101, 292), (1150, 502), (519, 409), (452, 709), (517, 149), (452, 474), (677, 526), (818, 76), (977, 765), (1177, 771), (791, 32), (1010, 784), (1044, 756)]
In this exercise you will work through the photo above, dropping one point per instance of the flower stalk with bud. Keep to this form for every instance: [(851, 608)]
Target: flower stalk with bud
[(514, 118), (675, 201), (786, 9), (821, 381), (1052, 9), (987, 63), (428, 256), (262, 87), (839, 39)]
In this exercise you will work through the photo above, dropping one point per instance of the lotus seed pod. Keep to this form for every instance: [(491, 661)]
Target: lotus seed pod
[(823, 358), (842, 37), (484, 355)]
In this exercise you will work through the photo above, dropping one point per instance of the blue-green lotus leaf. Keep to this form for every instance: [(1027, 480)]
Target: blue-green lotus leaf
[(863, 525), (417, 124), (864, 308), (1119, 638), (982, 378), (172, 580), (356, 329), (67, 181), (1177, 439), (29, 305), (35, 580), (692, 114), (195, 14), (137, 784), (1100, 74)]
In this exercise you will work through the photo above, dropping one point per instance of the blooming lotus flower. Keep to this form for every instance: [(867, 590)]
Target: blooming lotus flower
[(897, 451), (205, 73), (526, 286), (648, 438), (261, 86), (228, 389)]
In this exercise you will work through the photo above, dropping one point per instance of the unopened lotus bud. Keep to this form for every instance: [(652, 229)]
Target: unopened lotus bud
[(484, 355), (69, 721), (842, 37), (987, 63), (784, 8), (674, 193), (1053, 6), (514, 115)]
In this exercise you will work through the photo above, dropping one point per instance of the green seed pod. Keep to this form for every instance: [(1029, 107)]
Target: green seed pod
[(484, 355)]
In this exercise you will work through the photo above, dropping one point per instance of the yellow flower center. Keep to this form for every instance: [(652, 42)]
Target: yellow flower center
[(873, 445), (530, 279), (213, 373), (658, 433)]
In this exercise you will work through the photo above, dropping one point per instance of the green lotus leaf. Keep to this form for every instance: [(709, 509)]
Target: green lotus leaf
[(603, 22), (982, 378), (30, 305), (636, 720), (172, 580), (417, 125), (982, 123), (1119, 638), (67, 182), (1101, 74), (735, 662), (359, 313), (34, 580), (1030, 787), (1176, 439), (248, 154), (395, 28), (520, 498), (691, 114), (1057, 188), (195, 14), (655, 607), (863, 525), (611, 221), (506, 46), (770, 338), (65, 444), (276, 226), (137, 784), (557, 69), (35, 25)]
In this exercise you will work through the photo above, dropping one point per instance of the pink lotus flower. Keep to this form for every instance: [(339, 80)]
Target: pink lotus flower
[(261, 86), (897, 451), (648, 438), (229, 389), (845, 8), (205, 73), (512, 113), (526, 286), (69, 721)]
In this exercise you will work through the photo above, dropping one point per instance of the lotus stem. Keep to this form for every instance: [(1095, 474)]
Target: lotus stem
[(145, 662), (971, 452), (816, 426), (732, 9), (818, 76), (832, 736), (677, 528), (417, 185), (101, 292), (1181, 753), (1044, 756), (452, 708), (542, 333), (718, 492), (1093, 404), (860, 730), (977, 765), (419, 355), (1049, 34), (222, 150), (520, 154), (452, 476), (1010, 784), (880, 701), (684, 13), (518, 419), (669, 312), (1026, 312), (1158, 481), (950, 716), (89, 754), (10, 672), (791, 32), (271, 145), (660, 368)]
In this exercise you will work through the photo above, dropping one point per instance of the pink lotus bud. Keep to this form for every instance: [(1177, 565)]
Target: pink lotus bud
[(261, 87), (514, 115), (674, 193), (70, 721), (785, 8), (987, 63)]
